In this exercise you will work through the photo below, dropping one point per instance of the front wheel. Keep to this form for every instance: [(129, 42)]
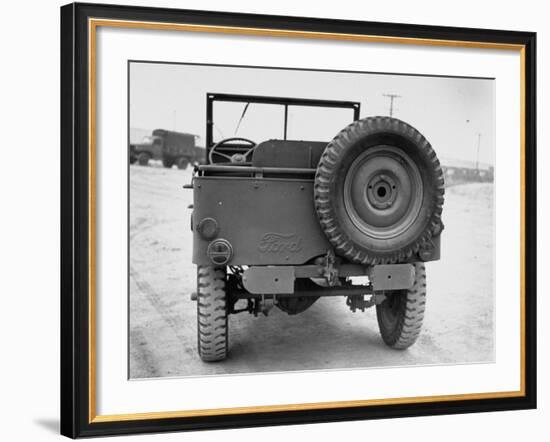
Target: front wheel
[(143, 159), (212, 326), (401, 314)]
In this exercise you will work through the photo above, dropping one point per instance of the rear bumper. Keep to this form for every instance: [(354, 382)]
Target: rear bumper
[(280, 279)]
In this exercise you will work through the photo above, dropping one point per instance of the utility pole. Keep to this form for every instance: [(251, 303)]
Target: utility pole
[(391, 97), (477, 154)]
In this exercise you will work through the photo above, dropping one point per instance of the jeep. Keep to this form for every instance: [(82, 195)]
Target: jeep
[(281, 222)]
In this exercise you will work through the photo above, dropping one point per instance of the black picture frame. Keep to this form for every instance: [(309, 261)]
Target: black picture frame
[(76, 402)]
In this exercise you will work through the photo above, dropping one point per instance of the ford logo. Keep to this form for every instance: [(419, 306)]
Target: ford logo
[(280, 242)]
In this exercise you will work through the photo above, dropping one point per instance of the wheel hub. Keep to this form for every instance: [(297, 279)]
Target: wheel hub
[(383, 192)]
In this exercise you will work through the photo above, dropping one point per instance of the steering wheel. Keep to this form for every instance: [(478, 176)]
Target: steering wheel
[(239, 159)]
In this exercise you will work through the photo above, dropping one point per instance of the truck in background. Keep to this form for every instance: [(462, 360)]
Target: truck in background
[(172, 148)]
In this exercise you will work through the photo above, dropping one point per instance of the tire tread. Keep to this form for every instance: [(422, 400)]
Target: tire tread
[(409, 323), (212, 327)]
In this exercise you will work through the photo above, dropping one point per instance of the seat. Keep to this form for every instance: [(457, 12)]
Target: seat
[(288, 154)]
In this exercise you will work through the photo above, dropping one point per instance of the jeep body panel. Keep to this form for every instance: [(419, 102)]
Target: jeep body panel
[(267, 221)]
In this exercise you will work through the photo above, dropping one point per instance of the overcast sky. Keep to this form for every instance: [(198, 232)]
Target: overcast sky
[(449, 112)]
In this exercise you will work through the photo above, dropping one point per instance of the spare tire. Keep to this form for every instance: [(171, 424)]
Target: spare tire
[(379, 192)]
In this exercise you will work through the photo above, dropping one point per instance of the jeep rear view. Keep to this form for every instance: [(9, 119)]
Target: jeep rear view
[(285, 213)]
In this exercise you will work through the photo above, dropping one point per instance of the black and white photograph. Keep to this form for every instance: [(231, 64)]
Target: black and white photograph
[(298, 219)]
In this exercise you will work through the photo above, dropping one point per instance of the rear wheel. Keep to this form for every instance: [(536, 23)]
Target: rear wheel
[(143, 159), (401, 314), (212, 324), (167, 162)]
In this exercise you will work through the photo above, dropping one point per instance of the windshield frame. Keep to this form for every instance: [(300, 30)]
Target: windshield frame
[(282, 101)]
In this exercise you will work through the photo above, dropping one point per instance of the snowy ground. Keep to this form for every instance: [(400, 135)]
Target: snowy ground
[(458, 326)]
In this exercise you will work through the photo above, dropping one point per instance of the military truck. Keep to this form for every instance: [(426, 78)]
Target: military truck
[(282, 222), (169, 147)]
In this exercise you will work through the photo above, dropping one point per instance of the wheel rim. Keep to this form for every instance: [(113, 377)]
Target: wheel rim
[(383, 192)]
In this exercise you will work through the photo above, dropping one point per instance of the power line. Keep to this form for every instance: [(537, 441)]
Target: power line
[(391, 97)]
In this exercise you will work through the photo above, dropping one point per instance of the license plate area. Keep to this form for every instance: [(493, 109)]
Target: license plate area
[(269, 279)]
